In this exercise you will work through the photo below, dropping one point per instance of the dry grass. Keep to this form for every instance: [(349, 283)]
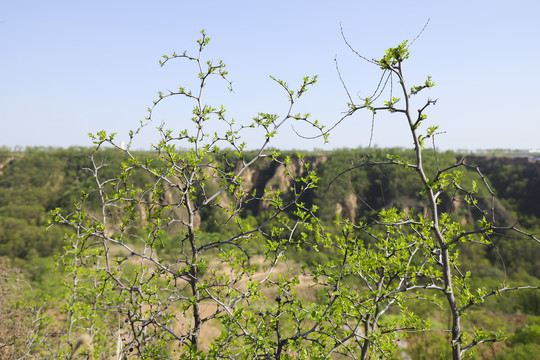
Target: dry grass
[(15, 319)]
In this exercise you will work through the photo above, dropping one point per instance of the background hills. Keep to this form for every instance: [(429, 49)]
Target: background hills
[(35, 181)]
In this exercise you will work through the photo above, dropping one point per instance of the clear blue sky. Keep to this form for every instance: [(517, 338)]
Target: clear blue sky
[(72, 67)]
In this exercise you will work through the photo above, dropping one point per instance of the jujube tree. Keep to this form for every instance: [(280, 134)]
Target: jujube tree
[(143, 275)]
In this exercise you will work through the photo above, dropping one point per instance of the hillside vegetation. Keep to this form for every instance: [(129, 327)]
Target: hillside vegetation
[(36, 181)]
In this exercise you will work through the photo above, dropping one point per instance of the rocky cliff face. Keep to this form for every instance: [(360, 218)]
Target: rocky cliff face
[(358, 193)]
